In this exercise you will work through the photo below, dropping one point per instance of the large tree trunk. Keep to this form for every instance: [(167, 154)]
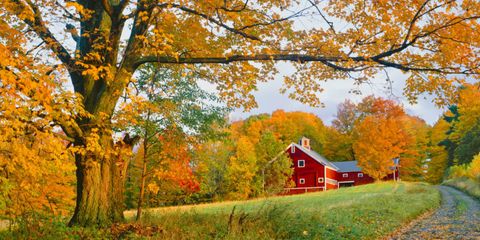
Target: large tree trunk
[(100, 185)]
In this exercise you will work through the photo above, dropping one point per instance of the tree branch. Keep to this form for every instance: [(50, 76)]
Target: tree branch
[(40, 28), (38, 25), (108, 7), (328, 61), (330, 24)]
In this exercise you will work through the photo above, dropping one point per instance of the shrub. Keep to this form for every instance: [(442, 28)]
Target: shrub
[(471, 170), (474, 169), (458, 171)]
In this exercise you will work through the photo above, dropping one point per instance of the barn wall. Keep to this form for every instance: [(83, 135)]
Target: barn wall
[(353, 176), (311, 172), (332, 174)]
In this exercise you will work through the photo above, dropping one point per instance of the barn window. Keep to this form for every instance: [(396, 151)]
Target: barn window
[(301, 163), (345, 175), (320, 180), (293, 149), (360, 175), (302, 180)]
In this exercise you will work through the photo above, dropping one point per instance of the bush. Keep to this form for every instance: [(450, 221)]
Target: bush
[(458, 171), (471, 170), (474, 170)]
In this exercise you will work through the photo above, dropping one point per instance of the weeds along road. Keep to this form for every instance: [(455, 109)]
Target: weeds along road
[(457, 218)]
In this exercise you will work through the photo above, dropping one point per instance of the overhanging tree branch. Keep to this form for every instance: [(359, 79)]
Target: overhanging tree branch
[(328, 61)]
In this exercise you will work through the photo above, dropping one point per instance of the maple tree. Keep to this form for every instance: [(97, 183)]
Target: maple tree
[(341, 137), (383, 131), (379, 140), (98, 45)]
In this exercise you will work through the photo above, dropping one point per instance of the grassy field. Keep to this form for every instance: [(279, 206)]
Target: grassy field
[(364, 212)]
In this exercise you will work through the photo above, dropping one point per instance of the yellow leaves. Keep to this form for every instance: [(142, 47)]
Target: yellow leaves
[(95, 72), (39, 174), (153, 188), (468, 103), (85, 13), (143, 16)]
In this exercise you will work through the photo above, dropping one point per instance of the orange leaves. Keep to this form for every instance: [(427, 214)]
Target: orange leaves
[(170, 164), (379, 140), (382, 131)]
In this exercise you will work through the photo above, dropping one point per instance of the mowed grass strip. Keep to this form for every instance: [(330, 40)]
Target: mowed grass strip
[(363, 212)]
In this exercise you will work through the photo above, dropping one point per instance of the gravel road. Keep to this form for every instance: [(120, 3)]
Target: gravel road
[(457, 218)]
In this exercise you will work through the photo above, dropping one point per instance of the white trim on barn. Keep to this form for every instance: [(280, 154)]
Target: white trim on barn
[(301, 161), (325, 176), (331, 181)]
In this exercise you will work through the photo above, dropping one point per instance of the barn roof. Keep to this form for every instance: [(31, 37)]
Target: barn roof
[(348, 166), (319, 158)]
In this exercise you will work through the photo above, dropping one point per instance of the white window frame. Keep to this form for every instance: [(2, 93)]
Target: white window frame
[(292, 149), (320, 180), (298, 163), (345, 175), (360, 175), (301, 180)]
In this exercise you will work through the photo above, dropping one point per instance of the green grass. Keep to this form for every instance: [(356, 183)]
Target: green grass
[(461, 208), (466, 185), (364, 212)]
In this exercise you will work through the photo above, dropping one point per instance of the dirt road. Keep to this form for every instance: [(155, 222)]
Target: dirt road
[(457, 218)]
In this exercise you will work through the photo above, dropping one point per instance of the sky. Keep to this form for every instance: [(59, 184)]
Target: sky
[(269, 98)]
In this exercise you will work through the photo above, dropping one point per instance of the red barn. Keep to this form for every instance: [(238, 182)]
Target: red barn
[(313, 172)]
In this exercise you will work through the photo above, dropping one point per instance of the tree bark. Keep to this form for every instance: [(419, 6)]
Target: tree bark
[(100, 186)]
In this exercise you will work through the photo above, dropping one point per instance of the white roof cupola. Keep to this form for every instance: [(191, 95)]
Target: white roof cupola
[(305, 143)]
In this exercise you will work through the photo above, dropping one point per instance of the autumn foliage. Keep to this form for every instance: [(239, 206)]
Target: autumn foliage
[(379, 141), (69, 64)]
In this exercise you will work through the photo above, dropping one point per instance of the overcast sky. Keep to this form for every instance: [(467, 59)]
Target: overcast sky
[(269, 98)]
